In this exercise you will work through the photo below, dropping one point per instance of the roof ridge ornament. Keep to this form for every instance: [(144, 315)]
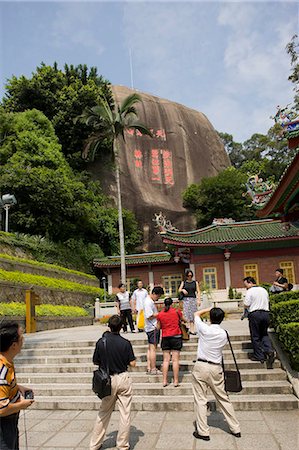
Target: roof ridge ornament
[(223, 221), (163, 224), (259, 190), (287, 118)]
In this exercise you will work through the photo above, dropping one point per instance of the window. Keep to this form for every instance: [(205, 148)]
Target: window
[(171, 284), (288, 271), (251, 270), (210, 277)]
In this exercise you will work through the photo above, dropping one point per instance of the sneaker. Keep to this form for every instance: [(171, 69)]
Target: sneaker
[(270, 360)]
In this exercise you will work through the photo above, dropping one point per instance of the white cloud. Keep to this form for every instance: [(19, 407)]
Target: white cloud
[(73, 26)]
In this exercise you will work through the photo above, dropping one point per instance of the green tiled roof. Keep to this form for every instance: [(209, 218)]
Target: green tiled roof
[(132, 260), (254, 231)]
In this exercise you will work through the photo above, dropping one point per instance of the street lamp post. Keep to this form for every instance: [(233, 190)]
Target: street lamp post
[(104, 285), (7, 201)]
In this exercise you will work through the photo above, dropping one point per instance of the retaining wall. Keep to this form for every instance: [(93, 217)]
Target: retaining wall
[(13, 292), (53, 323)]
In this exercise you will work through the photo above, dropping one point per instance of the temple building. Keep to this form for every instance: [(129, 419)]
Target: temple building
[(222, 254)]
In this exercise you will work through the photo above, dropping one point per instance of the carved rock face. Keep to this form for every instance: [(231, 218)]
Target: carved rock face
[(155, 171)]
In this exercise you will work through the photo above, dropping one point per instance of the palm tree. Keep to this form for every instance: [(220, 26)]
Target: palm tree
[(111, 122)]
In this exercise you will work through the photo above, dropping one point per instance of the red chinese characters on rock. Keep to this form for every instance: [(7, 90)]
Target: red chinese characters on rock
[(156, 166), (167, 167), (138, 158)]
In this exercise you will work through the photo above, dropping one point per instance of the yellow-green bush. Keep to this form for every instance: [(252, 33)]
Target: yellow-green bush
[(19, 309), (47, 282), (45, 265)]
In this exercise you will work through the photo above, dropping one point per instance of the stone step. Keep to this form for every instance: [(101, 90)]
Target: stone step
[(77, 358), (139, 377), (141, 367), (249, 387), (134, 338), (169, 403), (85, 350)]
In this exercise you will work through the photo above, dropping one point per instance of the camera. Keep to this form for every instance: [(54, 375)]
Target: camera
[(29, 395)]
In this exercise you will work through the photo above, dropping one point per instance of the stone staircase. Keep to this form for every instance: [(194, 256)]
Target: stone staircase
[(60, 374)]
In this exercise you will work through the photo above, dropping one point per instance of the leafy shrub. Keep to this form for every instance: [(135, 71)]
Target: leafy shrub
[(289, 337), (51, 283), (284, 312), (45, 265), (19, 309), (230, 293), (73, 254), (284, 296)]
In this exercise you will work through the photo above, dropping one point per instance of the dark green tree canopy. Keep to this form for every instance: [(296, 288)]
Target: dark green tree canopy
[(219, 197), (61, 96), (52, 200)]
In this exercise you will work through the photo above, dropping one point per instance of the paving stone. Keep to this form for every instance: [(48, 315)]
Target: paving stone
[(147, 426), (35, 438), (82, 425), (257, 442), (153, 417), (87, 415), (180, 415), (67, 440), (218, 441), (139, 441), (60, 414), (179, 426), (175, 441), (254, 426), (38, 415), (248, 415), (288, 441), (53, 425)]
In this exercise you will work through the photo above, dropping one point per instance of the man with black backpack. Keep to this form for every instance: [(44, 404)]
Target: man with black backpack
[(117, 355)]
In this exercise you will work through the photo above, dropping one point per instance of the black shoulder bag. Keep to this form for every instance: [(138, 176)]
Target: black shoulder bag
[(101, 382), (232, 378)]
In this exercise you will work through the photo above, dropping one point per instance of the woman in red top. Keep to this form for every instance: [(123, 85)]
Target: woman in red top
[(169, 321)]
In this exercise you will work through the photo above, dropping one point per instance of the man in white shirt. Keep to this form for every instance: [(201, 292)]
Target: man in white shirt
[(138, 297), (153, 334), (208, 372), (257, 302)]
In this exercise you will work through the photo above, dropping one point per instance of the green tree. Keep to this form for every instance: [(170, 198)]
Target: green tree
[(111, 122), (233, 149), (52, 200), (292, 49), (219, 197), (61, 96)]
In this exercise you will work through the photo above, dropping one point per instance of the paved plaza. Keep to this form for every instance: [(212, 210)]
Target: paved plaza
[(62, 430)]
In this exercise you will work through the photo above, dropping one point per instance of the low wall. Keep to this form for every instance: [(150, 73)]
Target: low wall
[(54, 323), (13, 266), (13, 292)]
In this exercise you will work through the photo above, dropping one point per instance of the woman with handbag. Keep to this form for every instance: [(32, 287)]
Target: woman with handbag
[(169, 322), (190, 294)]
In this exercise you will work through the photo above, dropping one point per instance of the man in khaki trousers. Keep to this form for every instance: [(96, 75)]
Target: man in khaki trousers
[(119, 356), (208, 373)]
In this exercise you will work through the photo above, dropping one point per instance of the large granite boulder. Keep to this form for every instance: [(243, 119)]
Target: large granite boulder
[(155, 171)]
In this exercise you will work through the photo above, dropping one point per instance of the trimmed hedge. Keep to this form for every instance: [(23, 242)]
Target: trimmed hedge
[(284, 312), (19, 309), (284, 296), (33, 262), (289, 338), (50, 283)]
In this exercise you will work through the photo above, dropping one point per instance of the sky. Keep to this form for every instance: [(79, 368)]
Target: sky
[(225, 59)]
